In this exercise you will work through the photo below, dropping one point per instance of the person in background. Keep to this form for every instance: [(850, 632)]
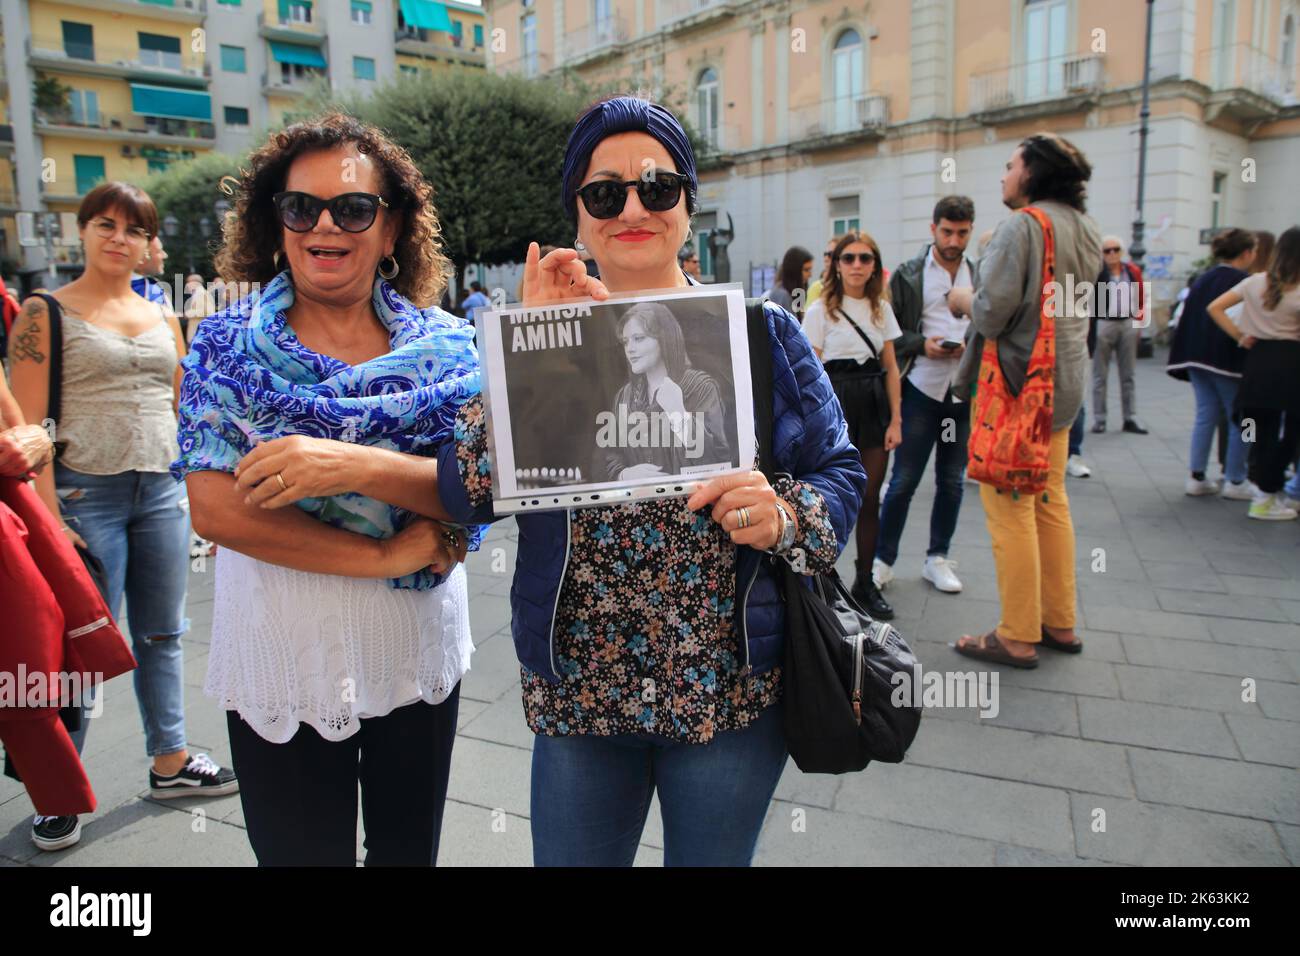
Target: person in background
[(815, 290), (143, 280), (476, 299), (110, 487), (792, 278), (1210, 359), (1265, 242), (1269, 328), (934, 419), (689, 260), (852, 329), (1119, 312), (1033, 535)]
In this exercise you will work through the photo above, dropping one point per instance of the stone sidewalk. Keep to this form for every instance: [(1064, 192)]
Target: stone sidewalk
[(1147, 733)]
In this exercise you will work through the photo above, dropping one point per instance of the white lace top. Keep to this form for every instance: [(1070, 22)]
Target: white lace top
[(290, 647)]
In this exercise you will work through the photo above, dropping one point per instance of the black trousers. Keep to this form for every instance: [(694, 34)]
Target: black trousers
[(300, 797), (1277, 438)]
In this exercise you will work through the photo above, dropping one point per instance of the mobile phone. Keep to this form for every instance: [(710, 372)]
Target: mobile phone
[(949, 344)]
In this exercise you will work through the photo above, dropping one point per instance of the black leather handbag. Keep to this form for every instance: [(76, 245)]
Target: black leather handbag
[(843, 671)]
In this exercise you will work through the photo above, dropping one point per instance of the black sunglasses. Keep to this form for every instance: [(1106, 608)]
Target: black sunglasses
[(605, 198), (351, 212), (1111, 249), (851, 257)]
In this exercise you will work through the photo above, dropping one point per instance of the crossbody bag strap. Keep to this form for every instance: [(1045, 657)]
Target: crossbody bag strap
[(761, 381), (857, 328), (54, 402)]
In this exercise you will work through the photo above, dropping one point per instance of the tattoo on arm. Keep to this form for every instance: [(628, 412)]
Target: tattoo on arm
[(27, 339)]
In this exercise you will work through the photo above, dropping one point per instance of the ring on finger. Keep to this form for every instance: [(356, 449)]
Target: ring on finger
[(742, 517), (280, 478)]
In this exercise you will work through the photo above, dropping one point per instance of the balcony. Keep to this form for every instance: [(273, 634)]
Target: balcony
[(528, 65), (293, 31), (1025, 90), (133, 63), (1245, 83), (127, 127), (276, 84), (178, 11), (841, 120), (431, 44), (678, 16), (597, 40)]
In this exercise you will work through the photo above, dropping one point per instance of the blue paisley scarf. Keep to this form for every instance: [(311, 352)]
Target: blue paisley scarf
[(248, 379)]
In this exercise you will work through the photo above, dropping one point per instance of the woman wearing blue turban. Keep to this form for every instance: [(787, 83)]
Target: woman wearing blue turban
[(651, 634)]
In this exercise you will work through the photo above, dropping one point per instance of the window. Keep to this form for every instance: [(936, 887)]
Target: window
[(84, 107), (230, 3), (1218, 200), (705, 223), (78, 40), (299, 11), (156, 165), (457, 33), (361, 11), (363, 68), (601, 13), (89, 171), (528, 42), (408, 70), (1225, 16), (844, 215), (232, 59), (706, 110), (1286, 53), (846, 79), (1045, 36), (478, 34), (236, 116), (160, 51)]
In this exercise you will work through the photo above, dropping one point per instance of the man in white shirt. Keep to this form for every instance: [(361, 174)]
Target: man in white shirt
[(929, 351)]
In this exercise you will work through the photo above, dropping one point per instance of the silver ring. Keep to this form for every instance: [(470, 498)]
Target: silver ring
[(742, 515)]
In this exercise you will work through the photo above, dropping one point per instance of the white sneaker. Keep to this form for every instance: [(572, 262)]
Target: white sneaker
[(1075, 468), (882, 573), (1270, 508), (1201, 486), (938, 571), (1240, 491)]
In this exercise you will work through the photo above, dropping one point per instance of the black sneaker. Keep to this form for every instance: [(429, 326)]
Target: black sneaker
[(865, 592), (56, 833), (200, 778), (1134, 427)]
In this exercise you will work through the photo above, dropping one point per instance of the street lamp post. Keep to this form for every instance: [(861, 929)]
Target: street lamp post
[(1138, 249)]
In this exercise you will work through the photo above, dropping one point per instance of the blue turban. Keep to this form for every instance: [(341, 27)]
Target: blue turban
[(624, 114)]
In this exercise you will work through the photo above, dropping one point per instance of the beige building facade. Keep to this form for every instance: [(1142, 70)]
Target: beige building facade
[(823, 115)]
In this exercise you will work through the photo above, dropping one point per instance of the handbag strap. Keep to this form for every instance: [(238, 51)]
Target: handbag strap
[(857, 328), (760, 377)]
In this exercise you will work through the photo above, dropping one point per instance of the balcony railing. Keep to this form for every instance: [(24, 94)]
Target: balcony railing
[(678, 13), (596, 37), (293, 85), (1240, 66), (288, 26), (1056, 77), (435, 41), (843, 115), (530, 64), (126, 58), (127, 124)]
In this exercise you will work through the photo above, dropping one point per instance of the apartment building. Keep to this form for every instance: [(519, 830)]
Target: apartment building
[(117, 89), (826, 115)]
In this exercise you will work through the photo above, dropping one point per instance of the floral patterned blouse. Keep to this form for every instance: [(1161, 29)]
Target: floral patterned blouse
[(645, 632)]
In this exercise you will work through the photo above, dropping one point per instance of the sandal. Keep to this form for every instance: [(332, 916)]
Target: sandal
[(989, 647), (1066, 647)]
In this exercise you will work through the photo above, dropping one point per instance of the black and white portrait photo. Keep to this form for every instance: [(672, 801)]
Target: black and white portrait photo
[(630, 397)]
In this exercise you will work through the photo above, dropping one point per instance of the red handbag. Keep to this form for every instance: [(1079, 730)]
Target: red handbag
[(1011, 435)]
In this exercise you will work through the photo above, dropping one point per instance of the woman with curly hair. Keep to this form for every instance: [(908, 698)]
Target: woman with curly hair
[(340, 626)]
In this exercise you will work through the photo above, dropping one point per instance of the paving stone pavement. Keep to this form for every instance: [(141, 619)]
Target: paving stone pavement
[(1173, 740)]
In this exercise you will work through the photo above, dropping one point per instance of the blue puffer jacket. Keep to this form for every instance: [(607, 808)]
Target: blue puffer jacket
[(810, 443)]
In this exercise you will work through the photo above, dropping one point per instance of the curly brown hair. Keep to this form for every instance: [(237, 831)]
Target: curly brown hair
[(833, 287), (251, 232)]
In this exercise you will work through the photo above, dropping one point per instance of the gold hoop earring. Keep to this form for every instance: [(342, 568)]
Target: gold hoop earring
[(389, 276)]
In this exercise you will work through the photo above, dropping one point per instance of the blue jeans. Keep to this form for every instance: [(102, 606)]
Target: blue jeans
[(591, 795), (138, 525), (927, 424), (1076, 432), (1215, 396)]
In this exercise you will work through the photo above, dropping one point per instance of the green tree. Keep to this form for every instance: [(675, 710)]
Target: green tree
[(187, 193)]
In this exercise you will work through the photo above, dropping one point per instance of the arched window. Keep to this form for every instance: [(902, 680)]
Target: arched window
[(706, 105), (846, 78)]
